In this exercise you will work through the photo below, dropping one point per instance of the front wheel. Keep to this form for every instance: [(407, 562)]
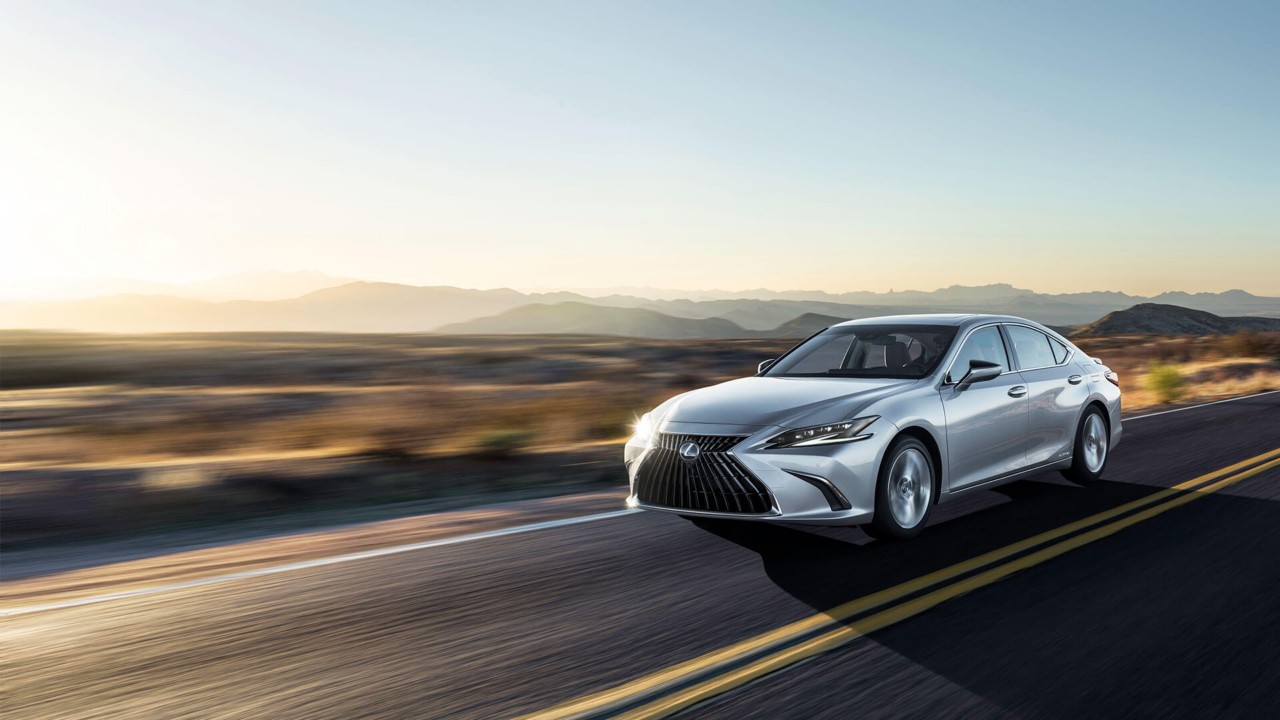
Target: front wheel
[(904, 491), (1090, 452)]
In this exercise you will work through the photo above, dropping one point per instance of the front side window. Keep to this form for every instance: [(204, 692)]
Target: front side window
[(982, 344), (870, 351), (1033, 347)]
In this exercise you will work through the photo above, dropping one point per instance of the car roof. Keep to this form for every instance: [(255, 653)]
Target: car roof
[(956, 319), (917, 319)]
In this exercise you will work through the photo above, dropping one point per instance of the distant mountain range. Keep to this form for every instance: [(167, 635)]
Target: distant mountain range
[(1157, 319), (389, 307), (956, 297), (579, 318)]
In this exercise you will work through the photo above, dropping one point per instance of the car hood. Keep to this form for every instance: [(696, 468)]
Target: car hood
[(779, 400)]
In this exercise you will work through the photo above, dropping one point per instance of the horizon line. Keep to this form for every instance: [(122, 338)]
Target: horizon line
[(81, 288)]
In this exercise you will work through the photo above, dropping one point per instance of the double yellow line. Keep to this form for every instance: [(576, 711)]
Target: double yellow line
[(737, 664)]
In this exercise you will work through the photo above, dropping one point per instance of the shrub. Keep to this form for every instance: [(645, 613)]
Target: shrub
[(502, 443), (1244, 344), (1165, 381), (392, 444)]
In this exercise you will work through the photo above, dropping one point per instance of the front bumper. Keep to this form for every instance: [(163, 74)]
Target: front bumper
[(794, 477)]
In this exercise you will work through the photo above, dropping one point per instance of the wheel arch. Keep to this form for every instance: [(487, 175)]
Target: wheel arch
[(1102, 409), (935, 453)]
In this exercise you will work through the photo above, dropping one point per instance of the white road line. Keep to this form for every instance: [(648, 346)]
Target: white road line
[(318, 562), (395, 549), (1193, 407)]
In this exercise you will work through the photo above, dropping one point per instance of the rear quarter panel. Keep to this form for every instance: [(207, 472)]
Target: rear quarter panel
[(1055, 409)]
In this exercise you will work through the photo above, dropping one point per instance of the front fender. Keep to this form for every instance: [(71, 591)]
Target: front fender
[(921, 410)]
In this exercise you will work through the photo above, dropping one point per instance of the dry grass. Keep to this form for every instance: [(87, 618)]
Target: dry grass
[(1211, 368), (119, 433), (1208, 380)]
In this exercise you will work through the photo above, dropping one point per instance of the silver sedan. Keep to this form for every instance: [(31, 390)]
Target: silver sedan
[(872, 422)]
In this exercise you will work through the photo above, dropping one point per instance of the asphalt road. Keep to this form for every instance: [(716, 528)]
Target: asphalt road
[(1171, 614)]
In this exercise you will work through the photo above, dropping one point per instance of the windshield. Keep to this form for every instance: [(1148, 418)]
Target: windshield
[(868, 351)]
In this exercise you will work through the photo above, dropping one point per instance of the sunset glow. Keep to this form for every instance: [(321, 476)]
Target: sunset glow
[(580, 145)]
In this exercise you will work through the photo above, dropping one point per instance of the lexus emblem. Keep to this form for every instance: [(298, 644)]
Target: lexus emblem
[(690, 451)]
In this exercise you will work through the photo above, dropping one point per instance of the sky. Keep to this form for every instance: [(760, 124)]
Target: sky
[(1060, 147)]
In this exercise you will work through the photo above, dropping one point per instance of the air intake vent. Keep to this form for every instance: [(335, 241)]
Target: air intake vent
[(696, 472)]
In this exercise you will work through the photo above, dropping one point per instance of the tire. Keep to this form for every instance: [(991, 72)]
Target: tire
[(1091, 450), (906, 490)]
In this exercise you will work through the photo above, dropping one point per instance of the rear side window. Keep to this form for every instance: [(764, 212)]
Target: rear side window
[(1033, 348), (1060, 351), (982, 344)]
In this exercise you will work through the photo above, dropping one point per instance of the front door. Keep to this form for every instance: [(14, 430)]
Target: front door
[(987, 422)]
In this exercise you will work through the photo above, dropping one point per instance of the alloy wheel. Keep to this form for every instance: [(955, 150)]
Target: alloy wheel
[(1095, 442), (910, 487)]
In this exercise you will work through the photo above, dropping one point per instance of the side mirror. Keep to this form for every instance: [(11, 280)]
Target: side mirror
[(765, 365), (979, 371)]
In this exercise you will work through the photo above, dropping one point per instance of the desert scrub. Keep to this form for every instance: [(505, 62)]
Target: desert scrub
[(1165, 381), (1251, 344), (502, 443)]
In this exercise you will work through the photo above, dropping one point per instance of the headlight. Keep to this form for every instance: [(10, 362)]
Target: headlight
[(642, 433), (829, 434)]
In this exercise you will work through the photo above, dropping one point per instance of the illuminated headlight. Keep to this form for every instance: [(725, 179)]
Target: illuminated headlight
[(642, 432), (829, 434)]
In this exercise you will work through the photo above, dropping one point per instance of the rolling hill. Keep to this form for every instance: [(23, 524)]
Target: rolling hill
[(574, 318), (578, 318), (804, 326), (1158, 319), (767, 314)]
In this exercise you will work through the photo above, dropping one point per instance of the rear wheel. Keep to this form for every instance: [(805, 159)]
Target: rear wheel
[(904, 491), (1093, 442)]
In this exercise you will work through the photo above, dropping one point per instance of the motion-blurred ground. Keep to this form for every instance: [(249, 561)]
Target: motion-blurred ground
[(109, 434)]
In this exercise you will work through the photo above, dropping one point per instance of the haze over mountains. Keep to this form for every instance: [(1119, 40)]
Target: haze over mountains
[(262, 285), (360, 306), (584, 319)]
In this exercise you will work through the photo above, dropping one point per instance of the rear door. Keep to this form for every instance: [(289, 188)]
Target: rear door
[(1056, 392), (986, 422)]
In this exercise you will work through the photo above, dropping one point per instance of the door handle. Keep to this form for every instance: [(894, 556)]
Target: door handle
[(1017, 391), (1075, 379)]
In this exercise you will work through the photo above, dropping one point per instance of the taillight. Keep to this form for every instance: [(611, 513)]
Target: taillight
[(1113, 378)]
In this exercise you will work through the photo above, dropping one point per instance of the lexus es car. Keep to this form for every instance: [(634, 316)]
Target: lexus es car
[(873, 422)]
